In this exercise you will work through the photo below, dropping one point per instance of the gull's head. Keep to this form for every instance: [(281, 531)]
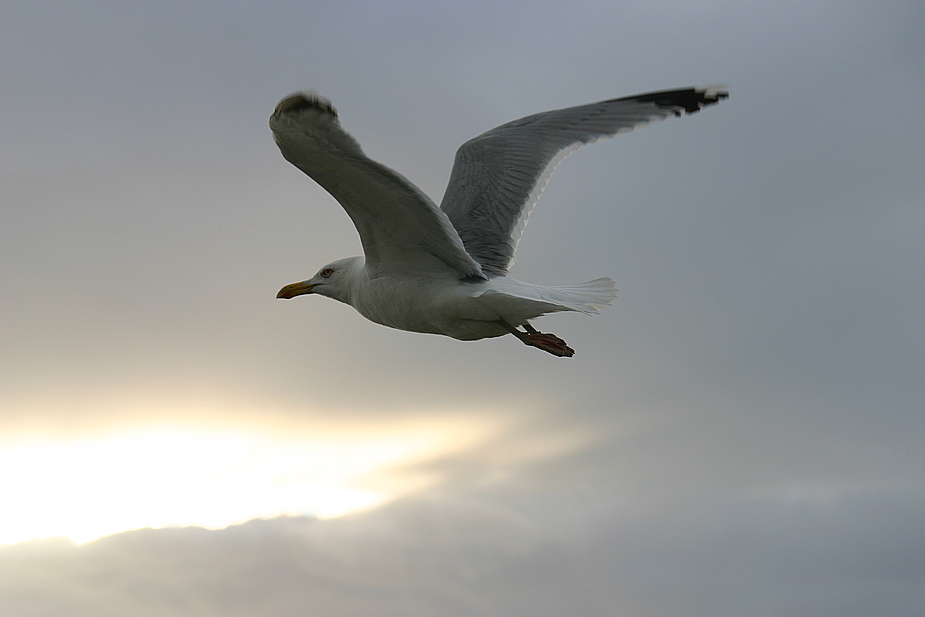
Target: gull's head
[(334, 280)]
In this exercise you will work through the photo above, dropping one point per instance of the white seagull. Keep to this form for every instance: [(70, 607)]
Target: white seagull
[(443, 270)]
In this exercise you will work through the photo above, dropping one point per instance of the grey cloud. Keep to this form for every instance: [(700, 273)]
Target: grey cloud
[(710, 555), (765, 351)]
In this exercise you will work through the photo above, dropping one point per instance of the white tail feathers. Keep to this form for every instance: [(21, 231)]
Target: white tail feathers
[(589, 297), (516, 301)]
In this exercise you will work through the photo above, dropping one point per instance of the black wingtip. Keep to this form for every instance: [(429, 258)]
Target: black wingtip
[(304, 101), (686, 100)]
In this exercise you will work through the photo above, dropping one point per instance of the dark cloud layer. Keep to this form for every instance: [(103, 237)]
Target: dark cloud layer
[(859, 554)]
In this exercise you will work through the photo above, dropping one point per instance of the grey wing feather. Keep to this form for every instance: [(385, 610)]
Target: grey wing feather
[(400, 228), (498, 176)]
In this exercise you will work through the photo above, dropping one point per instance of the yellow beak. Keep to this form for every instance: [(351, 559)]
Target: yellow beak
[(295, 289)]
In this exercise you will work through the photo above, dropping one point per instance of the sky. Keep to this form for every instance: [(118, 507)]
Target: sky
[(739, 434)]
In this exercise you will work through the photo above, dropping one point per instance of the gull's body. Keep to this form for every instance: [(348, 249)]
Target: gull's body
[(443, 270)]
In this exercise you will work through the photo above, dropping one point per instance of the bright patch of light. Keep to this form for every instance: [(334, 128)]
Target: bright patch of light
[(94, 486)]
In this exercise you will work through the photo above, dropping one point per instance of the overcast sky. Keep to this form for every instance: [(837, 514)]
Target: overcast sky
[(740, 434)]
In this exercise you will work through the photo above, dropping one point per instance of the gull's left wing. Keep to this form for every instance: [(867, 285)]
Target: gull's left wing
[(400, 228)]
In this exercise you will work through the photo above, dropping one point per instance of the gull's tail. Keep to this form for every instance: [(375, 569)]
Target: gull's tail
[(518, 301), (589, 297)]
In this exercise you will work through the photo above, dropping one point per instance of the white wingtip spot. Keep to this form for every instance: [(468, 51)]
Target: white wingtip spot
[(716, 91)]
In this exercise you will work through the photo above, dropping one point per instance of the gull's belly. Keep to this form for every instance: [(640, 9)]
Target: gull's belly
[(433, 306)]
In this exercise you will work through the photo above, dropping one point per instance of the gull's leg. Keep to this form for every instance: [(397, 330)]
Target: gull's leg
[(547, 342)]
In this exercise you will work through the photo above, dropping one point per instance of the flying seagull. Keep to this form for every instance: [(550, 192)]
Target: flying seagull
[(444, 270)]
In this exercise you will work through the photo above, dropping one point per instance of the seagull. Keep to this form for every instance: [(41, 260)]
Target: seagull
[(444, 270)]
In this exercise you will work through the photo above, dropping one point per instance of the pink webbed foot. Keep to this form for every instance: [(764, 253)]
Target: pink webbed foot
[(549, 343)]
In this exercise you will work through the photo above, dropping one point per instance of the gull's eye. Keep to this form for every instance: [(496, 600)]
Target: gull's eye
[(327, 272)]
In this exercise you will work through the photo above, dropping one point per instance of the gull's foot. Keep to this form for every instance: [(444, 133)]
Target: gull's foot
[(549, 342)]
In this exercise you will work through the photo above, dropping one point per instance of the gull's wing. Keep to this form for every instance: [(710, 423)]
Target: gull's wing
[(400, 228), (499, 175)]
